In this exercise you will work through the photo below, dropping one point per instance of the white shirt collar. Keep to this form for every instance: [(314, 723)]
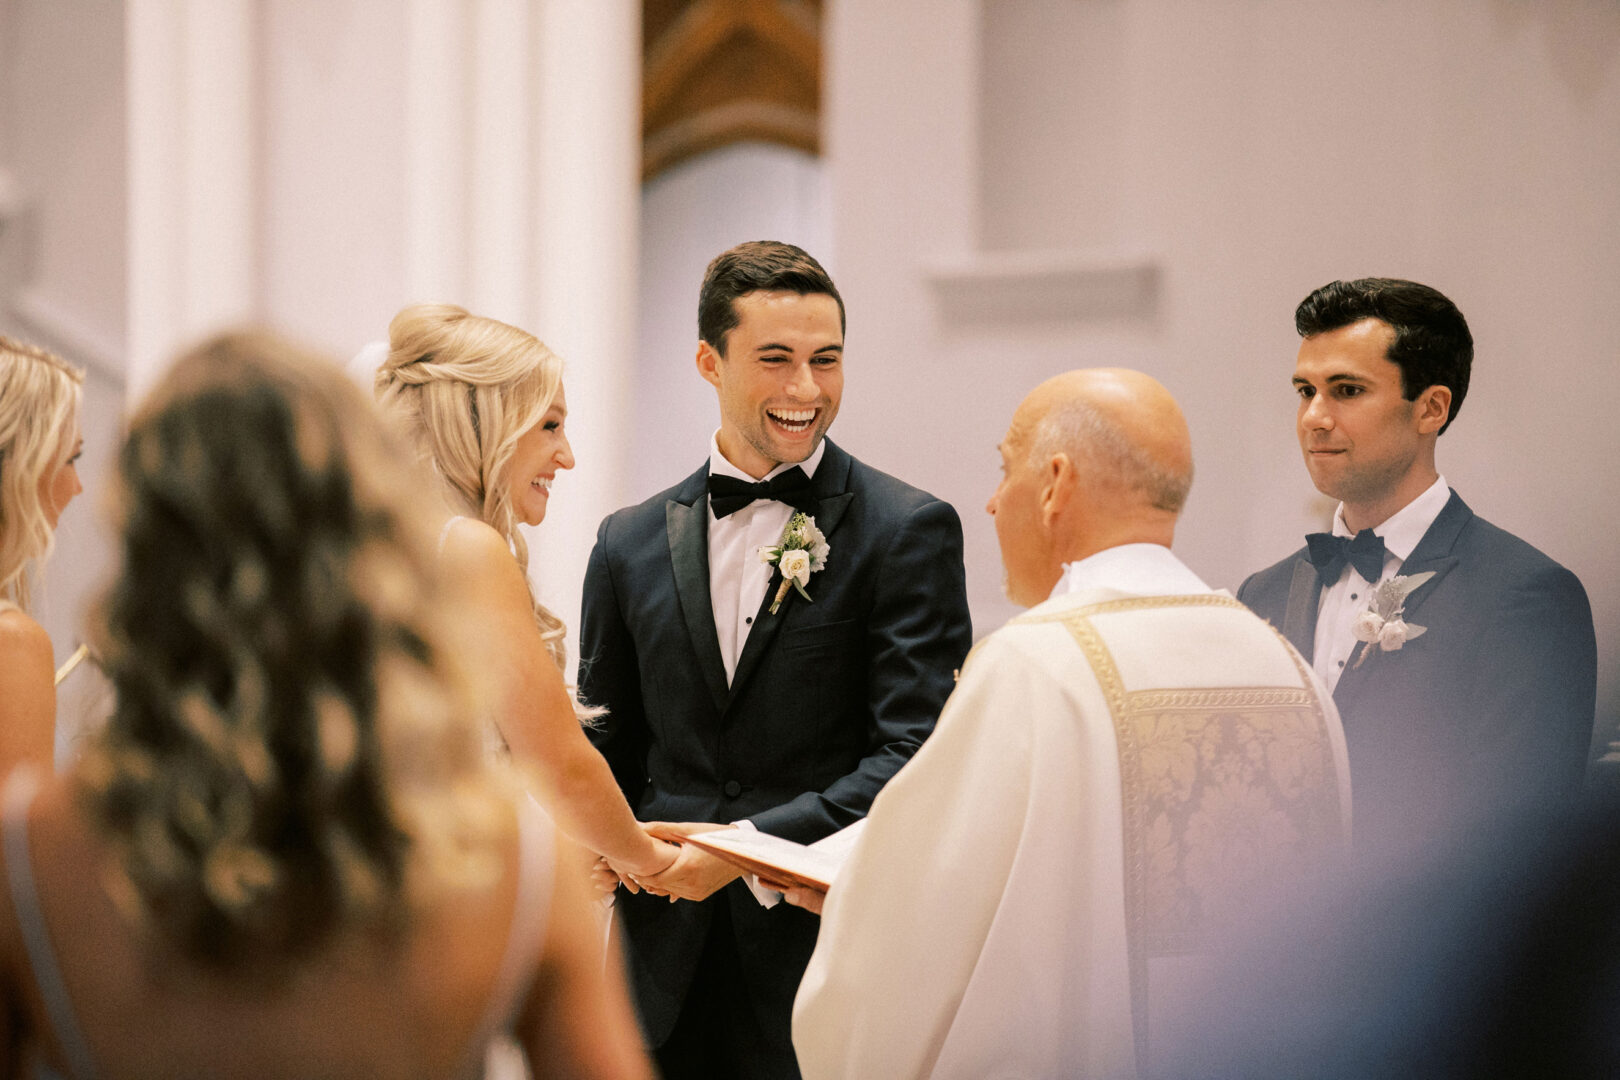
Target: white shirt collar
[(1146, 569), (1407, 525), (721, 466)]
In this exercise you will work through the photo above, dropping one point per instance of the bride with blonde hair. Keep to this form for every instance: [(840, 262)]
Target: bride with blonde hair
[(483, 402), (39, 446)]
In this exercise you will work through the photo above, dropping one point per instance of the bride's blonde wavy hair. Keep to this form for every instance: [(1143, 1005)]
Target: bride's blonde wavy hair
[(465, 388), (39, 414), (293, 753)]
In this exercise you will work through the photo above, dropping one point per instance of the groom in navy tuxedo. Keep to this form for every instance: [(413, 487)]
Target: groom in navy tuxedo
[(1491, 701), (725, 708)]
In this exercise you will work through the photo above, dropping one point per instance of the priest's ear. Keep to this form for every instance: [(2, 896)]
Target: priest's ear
[(1060, 481)]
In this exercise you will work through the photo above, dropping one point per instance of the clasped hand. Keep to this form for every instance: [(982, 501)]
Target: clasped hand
[(694, 875)]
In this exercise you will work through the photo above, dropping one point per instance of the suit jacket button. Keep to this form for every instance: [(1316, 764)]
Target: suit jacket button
[(732, 789)]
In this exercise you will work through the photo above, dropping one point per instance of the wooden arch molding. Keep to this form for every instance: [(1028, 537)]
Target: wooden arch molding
[(716, 72)]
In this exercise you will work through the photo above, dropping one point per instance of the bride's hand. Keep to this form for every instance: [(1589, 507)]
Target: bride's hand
[(661, 856)]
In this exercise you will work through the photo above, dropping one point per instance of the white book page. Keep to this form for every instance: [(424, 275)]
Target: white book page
[(820, 861)]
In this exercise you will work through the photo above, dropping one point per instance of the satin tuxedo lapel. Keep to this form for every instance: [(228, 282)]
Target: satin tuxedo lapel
[(829, 485), (1432, 555), (1299, 618), (1433, 552), (687, 519)]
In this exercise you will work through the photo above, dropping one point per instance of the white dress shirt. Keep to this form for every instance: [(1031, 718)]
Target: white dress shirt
[(1346, 598), (737, 579)]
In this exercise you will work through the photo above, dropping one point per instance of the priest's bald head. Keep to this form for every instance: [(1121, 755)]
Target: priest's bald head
[(1093, 459)]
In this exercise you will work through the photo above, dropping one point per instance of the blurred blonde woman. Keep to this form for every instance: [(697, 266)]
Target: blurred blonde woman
[(286, 854), (483, 402), (39, 446)]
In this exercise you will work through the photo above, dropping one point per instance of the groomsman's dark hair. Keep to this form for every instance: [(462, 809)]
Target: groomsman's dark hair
[(1432, 344), (757, 266)]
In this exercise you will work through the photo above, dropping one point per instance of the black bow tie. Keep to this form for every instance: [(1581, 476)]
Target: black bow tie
[(1329, 553), (727, 494)]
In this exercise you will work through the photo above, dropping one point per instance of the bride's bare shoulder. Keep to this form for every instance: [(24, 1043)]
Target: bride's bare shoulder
[(473, 555), (463, 537)]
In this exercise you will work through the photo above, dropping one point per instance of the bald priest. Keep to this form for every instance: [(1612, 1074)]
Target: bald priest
[(1115, 770)]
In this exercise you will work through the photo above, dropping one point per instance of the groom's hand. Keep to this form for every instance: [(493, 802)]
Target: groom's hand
[(696, 875)]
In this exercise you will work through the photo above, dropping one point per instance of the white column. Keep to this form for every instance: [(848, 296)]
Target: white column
[(499, 201), (155, 89), (190, 67), (437, 140), (589, 163)]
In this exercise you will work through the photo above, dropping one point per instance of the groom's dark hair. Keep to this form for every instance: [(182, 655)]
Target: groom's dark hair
[(757, 266), (1432, 344)]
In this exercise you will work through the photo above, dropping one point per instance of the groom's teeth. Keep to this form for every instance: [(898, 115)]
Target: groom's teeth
[(792, 418)]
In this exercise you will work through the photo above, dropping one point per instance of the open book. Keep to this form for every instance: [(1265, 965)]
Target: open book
[(777, 860)]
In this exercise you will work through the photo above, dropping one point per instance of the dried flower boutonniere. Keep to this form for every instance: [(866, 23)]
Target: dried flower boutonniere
[(1381, 623), (801, 552)]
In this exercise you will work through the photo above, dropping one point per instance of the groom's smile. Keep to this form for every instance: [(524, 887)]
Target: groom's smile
[(793, 421)]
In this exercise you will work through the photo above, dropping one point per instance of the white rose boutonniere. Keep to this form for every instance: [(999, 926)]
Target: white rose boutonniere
[(1380, 623), (801, 552)]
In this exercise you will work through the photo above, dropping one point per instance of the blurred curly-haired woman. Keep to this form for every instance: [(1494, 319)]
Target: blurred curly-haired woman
[(287, 853)]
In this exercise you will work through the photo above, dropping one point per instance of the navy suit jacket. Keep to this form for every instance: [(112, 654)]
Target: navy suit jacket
[(1494, 703), (828, 700)]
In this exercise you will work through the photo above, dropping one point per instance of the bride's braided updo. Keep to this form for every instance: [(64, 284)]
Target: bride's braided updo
[(292, 754), (465, 388)]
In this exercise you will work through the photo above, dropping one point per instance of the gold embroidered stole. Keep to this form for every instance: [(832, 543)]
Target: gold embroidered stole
[(1223, 789)]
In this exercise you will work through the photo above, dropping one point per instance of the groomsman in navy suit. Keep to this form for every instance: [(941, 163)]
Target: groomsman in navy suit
[(727, 708), (1462, 659)]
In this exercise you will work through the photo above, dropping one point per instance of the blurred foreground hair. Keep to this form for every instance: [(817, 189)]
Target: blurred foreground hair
[(292, 756)]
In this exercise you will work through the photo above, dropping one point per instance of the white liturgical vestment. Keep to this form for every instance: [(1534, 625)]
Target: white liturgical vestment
[(1115, 768)]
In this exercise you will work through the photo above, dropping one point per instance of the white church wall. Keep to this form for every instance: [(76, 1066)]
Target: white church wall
[(332, 258), (1263, 147), (477, 153)]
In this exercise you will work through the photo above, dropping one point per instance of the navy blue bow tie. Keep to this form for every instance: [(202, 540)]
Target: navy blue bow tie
[(1329, 553), (727, 494)]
